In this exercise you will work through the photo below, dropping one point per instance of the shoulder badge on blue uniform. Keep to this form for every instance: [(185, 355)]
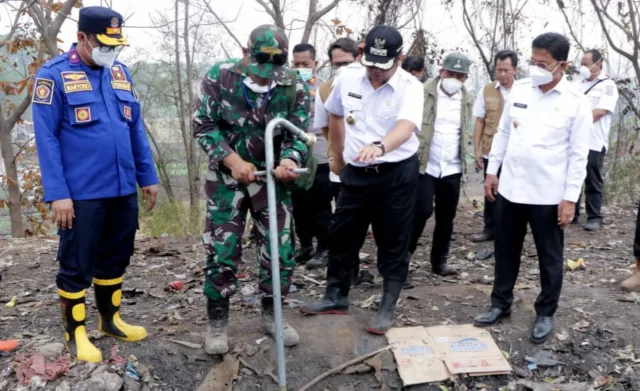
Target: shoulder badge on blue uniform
[(74, 57), (120, 81), (75, 82), (83, 114), (43, 91)]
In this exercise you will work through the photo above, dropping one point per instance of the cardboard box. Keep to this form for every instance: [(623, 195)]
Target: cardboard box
[(438, 353)]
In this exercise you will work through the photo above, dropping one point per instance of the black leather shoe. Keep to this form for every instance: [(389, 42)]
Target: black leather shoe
[(408, 283), (483, 237), (303, 254), (335, 301), (490, 318), (593, 225), (383, 320), (541, 329), (444, 270), (485, 254), (319, 260)]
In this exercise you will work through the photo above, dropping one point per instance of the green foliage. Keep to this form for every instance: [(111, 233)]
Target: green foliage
[(172, 219)]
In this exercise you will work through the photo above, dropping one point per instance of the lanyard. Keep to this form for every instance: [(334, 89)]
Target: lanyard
[(249, 102)]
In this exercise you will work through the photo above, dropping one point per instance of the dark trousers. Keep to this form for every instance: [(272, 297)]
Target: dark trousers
[(383, 197), (489, 208), (100, 244), (445, 192), (593, 186), (312, 211), (636, 242), (511, 228)]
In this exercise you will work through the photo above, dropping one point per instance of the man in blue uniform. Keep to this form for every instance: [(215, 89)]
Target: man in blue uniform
[(93, 150)]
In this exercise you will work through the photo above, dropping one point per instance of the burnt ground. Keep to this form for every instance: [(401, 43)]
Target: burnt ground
[(596, 337)]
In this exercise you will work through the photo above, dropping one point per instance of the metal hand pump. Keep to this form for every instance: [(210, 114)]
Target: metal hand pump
[(308, 139)]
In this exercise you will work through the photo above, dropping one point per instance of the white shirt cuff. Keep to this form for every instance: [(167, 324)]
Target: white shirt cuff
[(572, 194), (493, 168)]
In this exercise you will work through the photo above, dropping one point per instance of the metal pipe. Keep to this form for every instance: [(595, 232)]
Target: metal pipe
[(295, 171), (273, 236)]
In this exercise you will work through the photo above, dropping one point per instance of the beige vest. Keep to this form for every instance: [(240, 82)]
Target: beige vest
[(493, 105)]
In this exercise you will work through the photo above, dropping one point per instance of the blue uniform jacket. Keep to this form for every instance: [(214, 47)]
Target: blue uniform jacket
[(89, 131)]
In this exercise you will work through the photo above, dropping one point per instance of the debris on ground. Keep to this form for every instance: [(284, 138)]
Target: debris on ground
[(51, 350), (37, 365), (8, 345)]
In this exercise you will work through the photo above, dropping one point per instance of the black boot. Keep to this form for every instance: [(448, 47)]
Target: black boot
[(408, 283), (216, 340), (383, 320), (335, 301), (303, 254), (319, 260)]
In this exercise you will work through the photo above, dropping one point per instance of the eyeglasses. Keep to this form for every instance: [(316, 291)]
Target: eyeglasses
[(276, 59), (109, 49), (541, 65), (336, 65)]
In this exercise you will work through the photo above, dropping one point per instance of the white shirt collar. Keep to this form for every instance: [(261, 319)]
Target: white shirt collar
[(393, 82)]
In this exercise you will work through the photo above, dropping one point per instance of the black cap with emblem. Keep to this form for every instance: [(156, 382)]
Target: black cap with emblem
[(105, 23), (382, 46)]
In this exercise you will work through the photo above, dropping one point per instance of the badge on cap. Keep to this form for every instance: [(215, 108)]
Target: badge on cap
[(378, 47), (83, 114), (127, 112), (458, 65), (115, 22), (43, 91), (351, 119)]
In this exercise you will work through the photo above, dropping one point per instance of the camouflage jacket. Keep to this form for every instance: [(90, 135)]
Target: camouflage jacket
[(225, 122)]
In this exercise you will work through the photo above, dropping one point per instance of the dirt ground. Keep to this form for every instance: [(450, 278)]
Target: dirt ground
[(596, 342)]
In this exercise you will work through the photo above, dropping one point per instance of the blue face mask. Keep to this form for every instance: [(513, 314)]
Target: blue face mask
[(305, 73)]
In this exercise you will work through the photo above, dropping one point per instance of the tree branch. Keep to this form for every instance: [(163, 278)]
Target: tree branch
[(571, 31), (62, 15), (223, 24)]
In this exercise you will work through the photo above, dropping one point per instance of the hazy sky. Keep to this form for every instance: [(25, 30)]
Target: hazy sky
[(446, 25)]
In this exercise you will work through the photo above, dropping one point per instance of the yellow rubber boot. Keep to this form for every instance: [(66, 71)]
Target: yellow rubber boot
[(108, 298), (74, 314)]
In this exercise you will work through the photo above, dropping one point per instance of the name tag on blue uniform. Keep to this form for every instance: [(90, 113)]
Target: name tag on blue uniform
[(120, 81), (75, 82)]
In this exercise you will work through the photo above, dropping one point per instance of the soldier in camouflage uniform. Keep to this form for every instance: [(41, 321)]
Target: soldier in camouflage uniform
[(239, 98)]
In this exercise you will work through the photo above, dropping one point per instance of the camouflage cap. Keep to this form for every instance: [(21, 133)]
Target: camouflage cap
[(269, 50), (456, 62)]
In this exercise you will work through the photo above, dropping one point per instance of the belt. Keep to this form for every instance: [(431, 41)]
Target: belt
[(383, 168)]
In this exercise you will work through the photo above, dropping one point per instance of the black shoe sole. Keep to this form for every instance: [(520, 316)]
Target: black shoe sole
[(538, 341), (327, 312), (314, 267), (500, 319)]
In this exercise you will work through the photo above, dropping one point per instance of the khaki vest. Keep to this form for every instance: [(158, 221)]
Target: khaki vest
[(325, 89), (428, 123), (493, 105)]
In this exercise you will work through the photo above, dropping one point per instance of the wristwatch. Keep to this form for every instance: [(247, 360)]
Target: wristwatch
[(380, 145)]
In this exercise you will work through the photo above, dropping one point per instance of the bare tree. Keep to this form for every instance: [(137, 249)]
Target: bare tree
[(47, 19), (276, 10), (397, 13), (492, 26)]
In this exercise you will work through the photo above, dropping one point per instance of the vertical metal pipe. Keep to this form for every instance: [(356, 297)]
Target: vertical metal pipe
[(273, 238)]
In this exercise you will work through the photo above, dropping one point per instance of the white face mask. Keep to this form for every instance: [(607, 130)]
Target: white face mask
[(258, 89), (451, 85), (585, 72), (305, 73), (100, 58), (539, 76)]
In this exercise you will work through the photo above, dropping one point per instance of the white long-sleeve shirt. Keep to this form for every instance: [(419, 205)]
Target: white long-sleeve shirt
[(542, 144)]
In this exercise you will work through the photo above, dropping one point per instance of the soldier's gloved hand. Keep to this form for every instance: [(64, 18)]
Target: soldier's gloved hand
[(241, 170), (284, 172), (62, 213)]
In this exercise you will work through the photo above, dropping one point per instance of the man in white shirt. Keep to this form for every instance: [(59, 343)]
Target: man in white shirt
[(342, 53), (603, 96), (447, 115), (487, 110), (375, 113), (542, 145)]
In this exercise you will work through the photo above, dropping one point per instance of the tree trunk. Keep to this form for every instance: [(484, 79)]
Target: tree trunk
[(15, 200), (191, 146)]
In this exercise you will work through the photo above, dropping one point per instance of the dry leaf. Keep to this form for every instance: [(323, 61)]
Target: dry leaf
[(186, 344)]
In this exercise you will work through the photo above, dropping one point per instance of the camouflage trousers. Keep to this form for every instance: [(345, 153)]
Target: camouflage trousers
[(227, 207)]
